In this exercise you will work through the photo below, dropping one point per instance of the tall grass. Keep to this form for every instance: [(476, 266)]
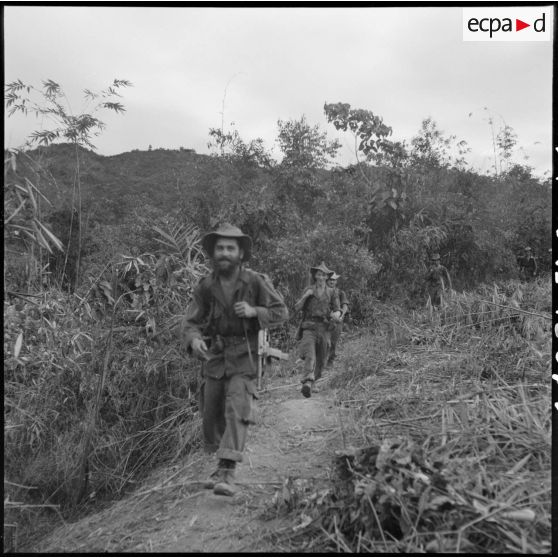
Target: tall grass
[(97, 388), (447, 426)]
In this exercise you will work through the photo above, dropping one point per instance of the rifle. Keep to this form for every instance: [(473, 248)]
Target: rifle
[(265, 351)]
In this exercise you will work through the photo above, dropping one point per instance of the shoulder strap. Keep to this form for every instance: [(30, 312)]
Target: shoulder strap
[(305, 307), (209, 328)]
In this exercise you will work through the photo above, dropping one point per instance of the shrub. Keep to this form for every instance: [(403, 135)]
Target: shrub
[(97, 388)]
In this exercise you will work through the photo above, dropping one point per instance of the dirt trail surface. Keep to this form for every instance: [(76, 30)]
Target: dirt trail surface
[(171, 512)]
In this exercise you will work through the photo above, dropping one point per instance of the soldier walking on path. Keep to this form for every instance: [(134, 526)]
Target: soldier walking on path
[(320, 311), (437, 280), (338, 329), (527, 265), (221, 329)]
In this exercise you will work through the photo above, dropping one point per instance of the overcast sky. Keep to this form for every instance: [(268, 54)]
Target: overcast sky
[(404, 64)]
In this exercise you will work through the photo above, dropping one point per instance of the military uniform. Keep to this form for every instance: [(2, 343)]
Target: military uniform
[(527, 265), (316, 332), (338, 328), (230, 372), (437, 280)]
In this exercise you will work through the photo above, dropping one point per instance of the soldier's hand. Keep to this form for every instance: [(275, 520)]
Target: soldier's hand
[(199, 348), (336, 316), (244, 310)]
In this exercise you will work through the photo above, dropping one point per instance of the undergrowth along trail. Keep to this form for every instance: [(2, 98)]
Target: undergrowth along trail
[(292, 445), (426, 436)]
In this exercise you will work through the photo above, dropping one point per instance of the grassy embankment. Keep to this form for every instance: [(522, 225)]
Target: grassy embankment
[(447, 427), (445, 418)]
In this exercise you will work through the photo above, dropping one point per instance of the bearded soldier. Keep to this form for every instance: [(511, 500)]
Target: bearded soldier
[(221, 329)]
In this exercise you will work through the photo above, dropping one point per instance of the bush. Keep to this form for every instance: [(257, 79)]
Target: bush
[(97, 388)]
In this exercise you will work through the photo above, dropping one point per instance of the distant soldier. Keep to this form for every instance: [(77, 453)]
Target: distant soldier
[(437, 280), (320, 310), (338, 327), (527, 265), (221, 328)]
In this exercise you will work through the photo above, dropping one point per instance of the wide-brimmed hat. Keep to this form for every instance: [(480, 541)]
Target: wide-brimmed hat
[(527, 248), (226, 230), (322, 267), (334, 276), (435, 256)]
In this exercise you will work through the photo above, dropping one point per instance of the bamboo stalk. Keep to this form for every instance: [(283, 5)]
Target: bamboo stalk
[(518, 310)]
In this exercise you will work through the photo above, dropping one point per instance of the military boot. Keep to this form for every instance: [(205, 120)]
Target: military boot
[(306, 389), (226, 485), (217, 475)]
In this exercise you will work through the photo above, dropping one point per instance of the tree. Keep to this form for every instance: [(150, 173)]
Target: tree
[(306, 152), (369, 131), (503, 142), (431, 148), (385, 195), (305, 146), (506, 140), (230, 145), (50, 102)]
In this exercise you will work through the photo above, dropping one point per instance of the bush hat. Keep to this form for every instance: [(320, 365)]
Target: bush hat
[(322, 267), (226, 230), (527, 248), (334, 276), (435, 256)]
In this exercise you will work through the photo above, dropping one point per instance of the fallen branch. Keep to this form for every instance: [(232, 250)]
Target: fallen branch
[(178, 485), (386, 422), (20, 485), (518, 310)]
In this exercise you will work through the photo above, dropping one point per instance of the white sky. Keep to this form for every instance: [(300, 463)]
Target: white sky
[(404, 64)]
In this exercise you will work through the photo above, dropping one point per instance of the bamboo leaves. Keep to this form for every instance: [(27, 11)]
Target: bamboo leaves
[(22, 213), (47, 101)]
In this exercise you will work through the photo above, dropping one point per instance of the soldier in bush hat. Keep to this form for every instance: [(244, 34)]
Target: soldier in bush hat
[(331, 282), (437, 280), (221, 328), (527, 264), (320, 311)]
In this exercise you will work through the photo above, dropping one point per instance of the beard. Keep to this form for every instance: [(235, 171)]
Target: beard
[(226, 267)]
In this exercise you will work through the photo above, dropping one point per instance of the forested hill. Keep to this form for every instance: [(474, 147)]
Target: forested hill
[(115, 186), (377, 221)]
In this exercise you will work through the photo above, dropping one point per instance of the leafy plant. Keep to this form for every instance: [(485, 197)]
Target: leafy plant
[(26, 233), (369, 131), (50, 102)]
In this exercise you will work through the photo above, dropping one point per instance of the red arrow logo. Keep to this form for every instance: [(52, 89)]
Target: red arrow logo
[(519, 25)]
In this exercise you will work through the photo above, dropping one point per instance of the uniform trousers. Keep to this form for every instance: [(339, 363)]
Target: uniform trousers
[(313, 349), (226, 406)]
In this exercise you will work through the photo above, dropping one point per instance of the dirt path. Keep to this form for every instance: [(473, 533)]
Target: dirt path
[(294, 437)]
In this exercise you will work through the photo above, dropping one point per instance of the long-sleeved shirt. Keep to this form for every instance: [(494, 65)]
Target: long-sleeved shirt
[(528, 265), (209, 314), (438, 277), (321, 307), (343, 300)]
